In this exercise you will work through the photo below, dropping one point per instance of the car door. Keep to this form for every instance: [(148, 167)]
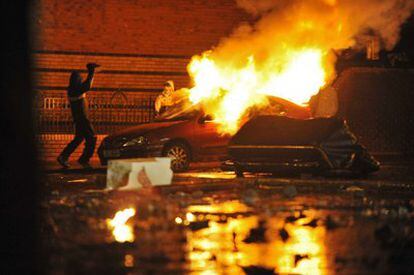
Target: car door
[(209, 143)]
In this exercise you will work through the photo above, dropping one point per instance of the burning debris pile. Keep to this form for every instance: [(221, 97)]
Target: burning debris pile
[(288, 52)]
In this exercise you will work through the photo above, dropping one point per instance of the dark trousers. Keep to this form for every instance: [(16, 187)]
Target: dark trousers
[(83, 131)]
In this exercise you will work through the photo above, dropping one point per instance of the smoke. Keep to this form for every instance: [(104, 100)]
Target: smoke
[(288, 52), (380, 17), (284, 26)]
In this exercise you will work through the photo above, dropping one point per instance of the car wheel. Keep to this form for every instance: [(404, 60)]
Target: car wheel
[(180, 156)]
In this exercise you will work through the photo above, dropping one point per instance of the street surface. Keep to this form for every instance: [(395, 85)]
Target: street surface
[(210, 222)]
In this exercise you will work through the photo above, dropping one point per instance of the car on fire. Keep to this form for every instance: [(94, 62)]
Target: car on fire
[(183, 133), (279, 145), (185, 137)]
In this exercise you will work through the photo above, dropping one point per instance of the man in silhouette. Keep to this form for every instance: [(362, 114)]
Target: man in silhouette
[(76, 92)]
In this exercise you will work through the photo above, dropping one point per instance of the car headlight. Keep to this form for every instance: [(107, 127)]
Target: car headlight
[(135, 141)]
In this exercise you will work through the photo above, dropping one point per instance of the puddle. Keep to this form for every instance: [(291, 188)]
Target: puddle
[(244, 229)]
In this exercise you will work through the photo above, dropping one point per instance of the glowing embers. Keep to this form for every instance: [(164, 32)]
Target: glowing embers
[(121, 231)]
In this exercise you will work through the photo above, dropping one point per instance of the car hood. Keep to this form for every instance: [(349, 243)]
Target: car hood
[(142, 129)]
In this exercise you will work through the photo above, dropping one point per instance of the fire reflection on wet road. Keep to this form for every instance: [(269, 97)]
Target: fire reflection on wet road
[(121, 231), (235, 238), (232, 226)]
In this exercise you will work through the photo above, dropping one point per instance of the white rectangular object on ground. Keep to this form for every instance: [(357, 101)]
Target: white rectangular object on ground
[(133, 174)]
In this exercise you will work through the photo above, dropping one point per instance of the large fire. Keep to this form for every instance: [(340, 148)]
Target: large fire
[(229, 91), (289, 51)]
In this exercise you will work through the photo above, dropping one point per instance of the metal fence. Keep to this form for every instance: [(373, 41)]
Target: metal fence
[(108, 113)]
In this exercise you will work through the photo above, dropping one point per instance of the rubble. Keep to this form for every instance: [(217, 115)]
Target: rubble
[(224, 226)]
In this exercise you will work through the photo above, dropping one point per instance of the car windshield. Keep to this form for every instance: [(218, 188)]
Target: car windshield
[(182, 111)]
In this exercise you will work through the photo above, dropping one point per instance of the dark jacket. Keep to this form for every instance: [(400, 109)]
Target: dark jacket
[(76, 95)]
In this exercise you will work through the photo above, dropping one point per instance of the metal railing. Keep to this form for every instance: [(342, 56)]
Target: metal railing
[(107, 113)]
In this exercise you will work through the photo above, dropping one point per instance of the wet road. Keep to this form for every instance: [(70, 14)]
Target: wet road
[(209, 222)]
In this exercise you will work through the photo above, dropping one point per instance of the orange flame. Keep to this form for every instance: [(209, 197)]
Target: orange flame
[(228, 91), (288, 52), (120, 230)]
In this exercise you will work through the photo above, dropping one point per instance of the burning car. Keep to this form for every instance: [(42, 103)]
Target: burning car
[(185, 137), (185, 133), (279, 144)]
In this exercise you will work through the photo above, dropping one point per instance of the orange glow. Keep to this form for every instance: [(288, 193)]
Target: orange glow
[(304, 241), (225, 241), (129, 260), (178, 220), (121, 231), (190, 217), (306, 64), (227, 92), (288, 50), (227, 207)]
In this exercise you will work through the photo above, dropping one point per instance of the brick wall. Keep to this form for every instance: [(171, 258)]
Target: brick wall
[(179, 27), (52, 144), (128, 81), (133, 72), (140, 44)]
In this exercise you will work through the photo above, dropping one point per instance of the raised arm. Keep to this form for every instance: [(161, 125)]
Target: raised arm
[(77, 86), (87, 84)]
